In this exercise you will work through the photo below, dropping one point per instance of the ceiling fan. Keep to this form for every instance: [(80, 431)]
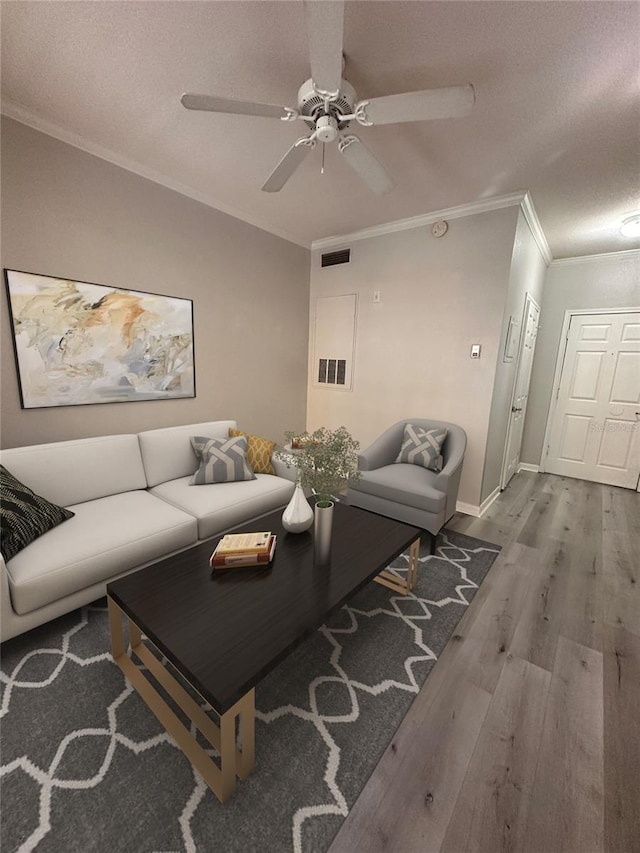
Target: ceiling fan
[(328, 104)]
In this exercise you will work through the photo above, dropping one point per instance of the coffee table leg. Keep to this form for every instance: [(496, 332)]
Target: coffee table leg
[(222, 779), (402, 585), (412, 573), (247, 715)]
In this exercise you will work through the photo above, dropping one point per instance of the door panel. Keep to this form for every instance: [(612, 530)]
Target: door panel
[(587, 372), (631, 332), (575, 435), (616, 444), (594, 433), (595, 333), (625, 378)]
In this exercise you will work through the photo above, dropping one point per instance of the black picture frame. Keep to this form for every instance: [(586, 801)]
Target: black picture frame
[(80, 343)]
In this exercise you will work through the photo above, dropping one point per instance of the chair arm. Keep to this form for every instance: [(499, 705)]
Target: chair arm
[(384, 449), (453, 462)]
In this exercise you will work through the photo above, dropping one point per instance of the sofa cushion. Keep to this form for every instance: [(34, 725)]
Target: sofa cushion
[(259, 451), (105, 538), (71, 472), (167, 453), (222, 460), (403, 483), (24, 515), (422, 447), (224, 505)]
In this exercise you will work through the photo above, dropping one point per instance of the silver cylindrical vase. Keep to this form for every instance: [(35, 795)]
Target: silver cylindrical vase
[(322, 526)]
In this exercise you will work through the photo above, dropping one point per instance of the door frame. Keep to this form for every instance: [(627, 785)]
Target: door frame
[(557, 376), (528, 299)]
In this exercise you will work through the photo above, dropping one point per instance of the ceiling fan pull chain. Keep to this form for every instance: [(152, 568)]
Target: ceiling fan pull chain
[(322, 166)]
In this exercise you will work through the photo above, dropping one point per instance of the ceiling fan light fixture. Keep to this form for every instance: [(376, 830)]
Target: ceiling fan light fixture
[(631, 226)]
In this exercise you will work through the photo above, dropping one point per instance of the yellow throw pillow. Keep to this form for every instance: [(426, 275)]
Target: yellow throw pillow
[(259, 451)]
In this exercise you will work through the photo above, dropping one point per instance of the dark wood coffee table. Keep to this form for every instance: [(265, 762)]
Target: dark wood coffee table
[(224, 631)]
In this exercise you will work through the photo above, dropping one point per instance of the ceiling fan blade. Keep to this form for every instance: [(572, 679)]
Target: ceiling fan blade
[(325, 23), (449, 102), (287, 166), (214, 104), (362, 161)]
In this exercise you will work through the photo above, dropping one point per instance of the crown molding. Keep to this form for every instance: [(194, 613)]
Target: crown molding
[(469, 209), (522, 198), (25, 116), (533, 222), (604, 256)]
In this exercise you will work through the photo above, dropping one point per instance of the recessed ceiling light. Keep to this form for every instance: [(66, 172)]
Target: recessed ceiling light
[(631, 226)]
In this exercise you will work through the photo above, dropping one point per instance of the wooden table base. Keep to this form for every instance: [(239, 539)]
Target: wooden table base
[(233, 761), (397, 584)]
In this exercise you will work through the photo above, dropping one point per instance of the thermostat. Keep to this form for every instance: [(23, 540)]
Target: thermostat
[(439, 229)]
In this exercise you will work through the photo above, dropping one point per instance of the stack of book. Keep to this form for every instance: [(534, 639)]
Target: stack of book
[(244, 549)]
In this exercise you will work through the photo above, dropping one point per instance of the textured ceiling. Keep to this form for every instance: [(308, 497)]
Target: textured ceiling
[(557, 110)]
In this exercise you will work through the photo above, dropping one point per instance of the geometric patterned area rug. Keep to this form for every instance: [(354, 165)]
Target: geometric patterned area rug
[(87, 767)]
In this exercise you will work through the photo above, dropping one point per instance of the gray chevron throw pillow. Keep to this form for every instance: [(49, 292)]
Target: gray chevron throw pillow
[(222, 460), (422, 446)]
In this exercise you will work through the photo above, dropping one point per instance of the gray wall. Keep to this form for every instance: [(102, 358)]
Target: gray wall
[(437, 297), (527, 275), (69, 214), (604, 281)]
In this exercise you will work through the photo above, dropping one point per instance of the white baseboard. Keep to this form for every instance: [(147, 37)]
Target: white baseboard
[(478, 511), (468, 509), (527, 466), (484, 506)]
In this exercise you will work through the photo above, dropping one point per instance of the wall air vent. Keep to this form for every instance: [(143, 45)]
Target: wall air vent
[(332, 371), (342, 256)]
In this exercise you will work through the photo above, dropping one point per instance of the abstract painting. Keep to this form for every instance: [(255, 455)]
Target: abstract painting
[(77, 343)]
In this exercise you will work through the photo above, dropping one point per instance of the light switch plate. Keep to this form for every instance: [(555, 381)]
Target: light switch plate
[(475, 351)]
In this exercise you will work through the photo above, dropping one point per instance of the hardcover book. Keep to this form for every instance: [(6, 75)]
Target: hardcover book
[(227, 560), (245, 543)]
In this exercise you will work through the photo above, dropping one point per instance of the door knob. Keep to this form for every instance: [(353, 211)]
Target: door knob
[(515, 409)]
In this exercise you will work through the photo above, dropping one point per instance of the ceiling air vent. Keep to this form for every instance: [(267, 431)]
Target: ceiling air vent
[(342, 256)]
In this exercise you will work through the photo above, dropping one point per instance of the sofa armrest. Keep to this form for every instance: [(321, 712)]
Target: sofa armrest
[(384, 449), (7, 614)]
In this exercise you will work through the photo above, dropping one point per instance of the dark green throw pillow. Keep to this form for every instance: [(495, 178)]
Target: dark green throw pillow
[(24, 516)]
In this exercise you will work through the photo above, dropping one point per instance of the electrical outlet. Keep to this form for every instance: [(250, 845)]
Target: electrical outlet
[(376, 296)]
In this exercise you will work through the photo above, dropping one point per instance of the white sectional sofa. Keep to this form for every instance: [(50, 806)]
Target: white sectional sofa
[(133, 505)]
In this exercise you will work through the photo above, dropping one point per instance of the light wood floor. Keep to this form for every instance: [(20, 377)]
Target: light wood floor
[(526, 735)]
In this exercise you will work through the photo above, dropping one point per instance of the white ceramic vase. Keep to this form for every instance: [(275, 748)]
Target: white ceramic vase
[(298, 515), (322, 527)]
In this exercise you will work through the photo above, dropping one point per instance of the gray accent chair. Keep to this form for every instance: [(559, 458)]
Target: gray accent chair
[(407, 492)]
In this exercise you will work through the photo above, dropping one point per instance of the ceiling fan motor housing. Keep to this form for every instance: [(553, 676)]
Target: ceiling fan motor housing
[(326, 129), (311, 104)]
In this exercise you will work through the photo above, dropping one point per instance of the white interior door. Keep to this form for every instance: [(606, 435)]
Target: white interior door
[(595, 426), (520, 391)]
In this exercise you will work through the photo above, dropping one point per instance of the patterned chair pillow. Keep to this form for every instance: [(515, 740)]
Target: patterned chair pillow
[(222, 460), (259, 452), (24, 515), (422, 446)]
